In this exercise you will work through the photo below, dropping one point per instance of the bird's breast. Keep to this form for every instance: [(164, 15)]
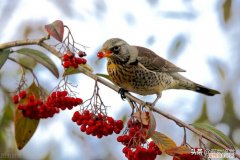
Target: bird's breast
[(135, 78)]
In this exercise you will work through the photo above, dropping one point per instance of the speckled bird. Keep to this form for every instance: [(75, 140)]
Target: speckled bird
[(140, 70)]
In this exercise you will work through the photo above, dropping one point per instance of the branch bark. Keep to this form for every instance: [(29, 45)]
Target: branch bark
[(155, 109), (179, 122), (39, 42)]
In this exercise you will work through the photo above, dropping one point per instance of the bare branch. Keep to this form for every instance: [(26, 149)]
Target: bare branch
[(24, 42)]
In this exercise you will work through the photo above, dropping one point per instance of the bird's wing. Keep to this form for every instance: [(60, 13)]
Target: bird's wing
[(155, 63)]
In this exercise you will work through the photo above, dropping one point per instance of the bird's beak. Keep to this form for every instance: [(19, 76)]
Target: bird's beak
[(104, 53)]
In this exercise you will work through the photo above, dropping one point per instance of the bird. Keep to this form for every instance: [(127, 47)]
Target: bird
[(139, 70)]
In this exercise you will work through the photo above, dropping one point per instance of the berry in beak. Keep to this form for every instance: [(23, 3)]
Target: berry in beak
[(104, 54)]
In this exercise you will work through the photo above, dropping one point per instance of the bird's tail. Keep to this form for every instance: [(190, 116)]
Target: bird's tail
[(184, 83), (204, 90)]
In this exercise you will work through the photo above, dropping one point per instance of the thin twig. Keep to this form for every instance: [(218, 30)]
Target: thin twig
[(28, 68)]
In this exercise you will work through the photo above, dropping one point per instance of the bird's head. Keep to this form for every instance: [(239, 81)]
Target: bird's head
[(118, 50)]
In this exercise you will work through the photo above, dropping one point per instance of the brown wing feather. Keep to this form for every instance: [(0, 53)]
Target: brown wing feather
[(153, 62)]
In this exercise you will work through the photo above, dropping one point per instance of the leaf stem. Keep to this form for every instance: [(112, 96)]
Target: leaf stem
[(26, 67)]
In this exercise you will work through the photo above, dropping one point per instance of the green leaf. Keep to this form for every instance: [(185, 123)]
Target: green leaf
[(203, 117), (7, 115), (34, 89), (162, 141), (214, 133), (40, 58), (27, 61), (25, 127), (226, 8), (56, 30), (104, 76), (230, 113), (71, 70), (4, 56)]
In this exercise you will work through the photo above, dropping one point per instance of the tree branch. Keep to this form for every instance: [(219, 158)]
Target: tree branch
[(140, 102), (179, 122), (24, 42)]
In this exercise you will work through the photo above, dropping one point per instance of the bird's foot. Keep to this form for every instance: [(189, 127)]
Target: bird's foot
[(148, 104), (122, 91)]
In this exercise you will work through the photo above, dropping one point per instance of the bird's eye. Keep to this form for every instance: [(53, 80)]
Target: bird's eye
[(115, 49)]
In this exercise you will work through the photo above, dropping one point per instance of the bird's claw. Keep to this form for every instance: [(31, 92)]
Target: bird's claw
[(122, 91), (148, 104)]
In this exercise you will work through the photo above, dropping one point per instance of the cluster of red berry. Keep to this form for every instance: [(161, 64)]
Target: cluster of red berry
[(136, 135), (134, 140), (187, 157), (60, 100), (69, 59), (16, 98), (34, 108), (97, 124), (141, 153)]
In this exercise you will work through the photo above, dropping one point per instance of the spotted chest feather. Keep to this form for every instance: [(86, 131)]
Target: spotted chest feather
[(137, 79)]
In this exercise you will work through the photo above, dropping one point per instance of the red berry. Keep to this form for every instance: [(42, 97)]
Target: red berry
[(21, 107), (86, 112), (100, 116), (119, 124), (81, 54), (79, 100), (151, 144), (110, 120), (91, 122), (64, 93), (66, 64), (76, 114), (100, 55), (22, 94), (88, 130), (84, 61), (119, 138), (83, 128), (80, 61), (65, 57), (132, 131), (117, 131), (79, 122), (99, 136), (125, 150), (130, 123), (15, 99), (31, 98)]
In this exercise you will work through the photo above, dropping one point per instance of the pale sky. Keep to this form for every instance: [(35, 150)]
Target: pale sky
[(205, 41)]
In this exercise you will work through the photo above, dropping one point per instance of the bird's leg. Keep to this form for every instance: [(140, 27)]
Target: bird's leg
[(159, 95), (122, 91), (132, 105)]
